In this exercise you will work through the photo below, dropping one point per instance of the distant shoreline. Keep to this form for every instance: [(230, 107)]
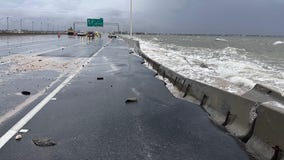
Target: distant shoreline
[(212, 35), (11, 33), (5, 33)]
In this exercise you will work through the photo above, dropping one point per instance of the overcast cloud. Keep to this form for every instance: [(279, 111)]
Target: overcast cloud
[(161, 16)]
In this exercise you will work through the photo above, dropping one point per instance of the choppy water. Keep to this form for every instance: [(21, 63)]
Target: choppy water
[(234, 63)]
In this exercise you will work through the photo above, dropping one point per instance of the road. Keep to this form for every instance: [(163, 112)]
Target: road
[(85, 113), (36, 64)]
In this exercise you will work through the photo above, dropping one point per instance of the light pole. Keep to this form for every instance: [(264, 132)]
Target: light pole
[(7, 23), (130, 18), (32, 26), (21, 24), (118, 28), (0, 22)]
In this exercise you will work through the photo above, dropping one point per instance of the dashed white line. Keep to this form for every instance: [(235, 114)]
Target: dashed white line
[(113, 68), (134, 90)]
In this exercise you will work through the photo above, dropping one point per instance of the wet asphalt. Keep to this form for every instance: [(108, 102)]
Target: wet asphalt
[(13, 82), (22, 45), (90, 120)]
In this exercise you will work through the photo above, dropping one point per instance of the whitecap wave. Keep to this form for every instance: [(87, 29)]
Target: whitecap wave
[(221, 40), (155, 39), (242, 82), (278, 42)]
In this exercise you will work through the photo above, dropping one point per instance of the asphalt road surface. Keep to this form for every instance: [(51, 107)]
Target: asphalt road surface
[(87, 117), (36, 64)]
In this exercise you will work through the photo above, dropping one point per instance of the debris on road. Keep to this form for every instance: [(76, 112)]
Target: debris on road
[(23, 130), (26, 93), (44, 142), (18, 137), (131, 100), (100, 78)]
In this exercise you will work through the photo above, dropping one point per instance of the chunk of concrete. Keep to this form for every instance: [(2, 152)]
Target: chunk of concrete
[(26, 93), (44, 142), (131, 100), (23, 130), (18, 137)]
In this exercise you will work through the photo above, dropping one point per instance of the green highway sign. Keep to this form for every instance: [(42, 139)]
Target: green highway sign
[(95, 22)]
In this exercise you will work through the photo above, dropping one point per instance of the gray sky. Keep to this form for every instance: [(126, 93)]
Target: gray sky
[(160, 16)]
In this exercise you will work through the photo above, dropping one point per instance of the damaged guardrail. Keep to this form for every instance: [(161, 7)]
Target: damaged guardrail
[(267, 141), (248, 117)]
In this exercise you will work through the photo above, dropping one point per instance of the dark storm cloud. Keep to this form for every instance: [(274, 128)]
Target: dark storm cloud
[(163, 16), (217, 16)]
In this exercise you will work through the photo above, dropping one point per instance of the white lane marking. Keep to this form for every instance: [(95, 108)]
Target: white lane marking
[(28, 44), (113, 68), (50, 50), (55, 49), (20, 124), (47, 51), (28, 101), (134, 90), (105, 58)]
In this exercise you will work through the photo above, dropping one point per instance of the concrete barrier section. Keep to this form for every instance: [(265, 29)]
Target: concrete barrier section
[(225, 108), (133, 44), (267, 141), (260, 93)]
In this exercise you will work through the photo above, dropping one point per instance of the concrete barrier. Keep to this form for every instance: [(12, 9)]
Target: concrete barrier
[(227, 109), (133, 44), (242, 115), (260, 93), (267, 141)]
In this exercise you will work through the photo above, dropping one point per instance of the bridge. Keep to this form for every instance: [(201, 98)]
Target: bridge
[(76, 98)]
